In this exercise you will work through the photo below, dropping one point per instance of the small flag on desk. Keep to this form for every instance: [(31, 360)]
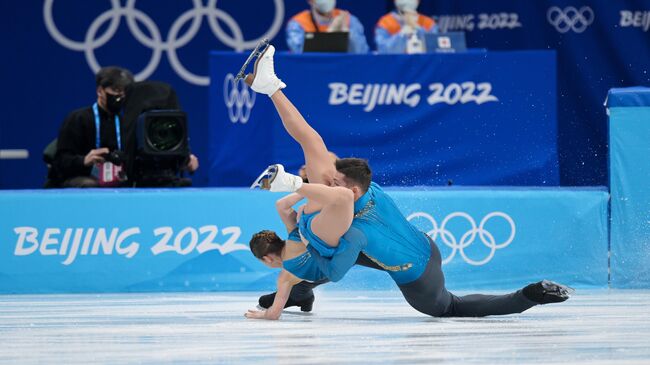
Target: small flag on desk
[(444, 42)]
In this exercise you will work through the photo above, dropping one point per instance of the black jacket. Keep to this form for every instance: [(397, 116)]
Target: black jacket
[(77, 137)]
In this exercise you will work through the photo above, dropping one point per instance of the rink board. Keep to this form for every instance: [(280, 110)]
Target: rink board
[(73, 241)]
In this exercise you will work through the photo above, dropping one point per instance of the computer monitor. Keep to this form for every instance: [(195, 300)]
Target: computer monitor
[(445, 42), (326, 42)]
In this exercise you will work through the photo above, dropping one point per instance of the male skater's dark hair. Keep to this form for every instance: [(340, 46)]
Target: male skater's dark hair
[(356, 171)]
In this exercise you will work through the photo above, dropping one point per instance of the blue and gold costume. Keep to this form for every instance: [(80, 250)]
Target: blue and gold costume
[(302, 266), (382, 233), (395, 245)]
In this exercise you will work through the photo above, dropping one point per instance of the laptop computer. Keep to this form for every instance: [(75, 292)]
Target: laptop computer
[(445, 42), (326, 42)]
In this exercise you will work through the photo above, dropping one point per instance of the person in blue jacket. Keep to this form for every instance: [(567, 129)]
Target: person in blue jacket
[(394, 29)]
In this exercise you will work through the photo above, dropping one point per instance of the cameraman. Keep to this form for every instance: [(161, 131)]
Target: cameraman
[(91, 139)]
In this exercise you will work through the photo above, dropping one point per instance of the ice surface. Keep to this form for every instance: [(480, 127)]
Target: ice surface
[(595, 327)]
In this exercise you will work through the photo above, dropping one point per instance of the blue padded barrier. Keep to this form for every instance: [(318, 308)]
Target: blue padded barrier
[(629, 141), (196, 239)]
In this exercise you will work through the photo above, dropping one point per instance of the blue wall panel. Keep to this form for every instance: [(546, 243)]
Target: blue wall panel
[(475, 118), (629, 133), (599, 46)]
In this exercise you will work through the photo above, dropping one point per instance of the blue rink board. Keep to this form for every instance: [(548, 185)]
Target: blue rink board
[(629, 132), (196, 239)]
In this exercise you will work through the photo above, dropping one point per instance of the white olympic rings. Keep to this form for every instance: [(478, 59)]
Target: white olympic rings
[(155, 41), (239, 99), (570, 18), (459, 245)]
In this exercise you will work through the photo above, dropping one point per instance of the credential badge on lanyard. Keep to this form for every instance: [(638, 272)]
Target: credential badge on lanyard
[(107, 173)]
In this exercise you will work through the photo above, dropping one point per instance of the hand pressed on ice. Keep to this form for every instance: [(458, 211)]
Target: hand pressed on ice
[(255, 314), (286, 281)]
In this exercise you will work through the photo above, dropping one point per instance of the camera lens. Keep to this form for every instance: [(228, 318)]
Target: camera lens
[(165, 134)]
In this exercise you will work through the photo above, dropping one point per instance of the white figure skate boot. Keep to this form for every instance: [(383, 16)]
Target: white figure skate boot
[(275, 179)]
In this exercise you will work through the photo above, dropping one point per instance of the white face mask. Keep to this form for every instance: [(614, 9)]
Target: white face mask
[(406, 5), (324, 6)]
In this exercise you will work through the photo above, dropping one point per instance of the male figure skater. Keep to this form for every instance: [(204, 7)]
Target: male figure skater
[(378, 229)]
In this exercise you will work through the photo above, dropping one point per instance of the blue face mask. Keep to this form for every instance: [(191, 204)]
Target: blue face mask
[(324, 6), (406, 5)]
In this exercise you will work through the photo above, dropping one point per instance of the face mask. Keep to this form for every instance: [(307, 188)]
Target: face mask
[(406, 5), (114, 103), (324, 6)]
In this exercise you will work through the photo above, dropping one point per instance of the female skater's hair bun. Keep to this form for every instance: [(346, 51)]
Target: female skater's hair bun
[(266, 242)]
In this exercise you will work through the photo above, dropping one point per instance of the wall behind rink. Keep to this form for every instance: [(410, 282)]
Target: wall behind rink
[(56, 46), (196, 239), (600, 44), (476, 118)]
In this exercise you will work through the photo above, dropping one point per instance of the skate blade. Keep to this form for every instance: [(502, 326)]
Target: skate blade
[(297, 313), (266, 178), (558, 289), (259, 50)]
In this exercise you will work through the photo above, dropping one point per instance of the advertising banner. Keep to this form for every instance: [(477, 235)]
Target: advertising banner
[(197, 240), (477, 118)]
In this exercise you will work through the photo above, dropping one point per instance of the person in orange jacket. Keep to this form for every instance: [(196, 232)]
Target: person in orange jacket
[(394, 29), (323, 16)]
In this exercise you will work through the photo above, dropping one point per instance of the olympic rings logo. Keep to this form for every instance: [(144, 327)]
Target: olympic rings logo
[(570, 18), (466, 239), (239, 99), (154, 40)]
